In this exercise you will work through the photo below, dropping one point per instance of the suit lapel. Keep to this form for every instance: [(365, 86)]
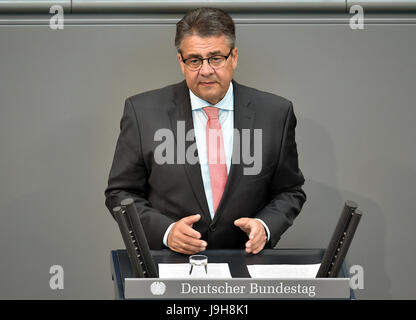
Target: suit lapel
[(183, 112)]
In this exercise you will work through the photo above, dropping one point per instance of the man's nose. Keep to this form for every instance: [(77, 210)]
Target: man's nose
[(206, 69)]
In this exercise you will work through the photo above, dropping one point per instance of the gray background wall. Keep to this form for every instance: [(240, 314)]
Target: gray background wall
[(61, 99)]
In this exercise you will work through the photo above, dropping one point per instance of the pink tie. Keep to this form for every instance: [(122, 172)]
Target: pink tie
[(216, 155)]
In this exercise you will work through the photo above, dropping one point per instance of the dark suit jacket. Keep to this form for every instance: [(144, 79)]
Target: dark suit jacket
[(166, 193)]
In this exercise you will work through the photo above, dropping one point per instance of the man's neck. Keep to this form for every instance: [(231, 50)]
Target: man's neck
[(214, 102)]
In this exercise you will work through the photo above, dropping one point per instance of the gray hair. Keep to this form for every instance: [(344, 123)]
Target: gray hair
[(205, 22)]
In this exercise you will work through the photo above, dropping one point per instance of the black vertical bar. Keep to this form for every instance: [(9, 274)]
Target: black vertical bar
[(143, 246), (337, 235), (127, 233), (345, 245)]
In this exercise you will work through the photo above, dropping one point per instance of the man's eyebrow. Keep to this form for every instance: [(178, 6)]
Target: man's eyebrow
[(193, 55), (216, 52), (211, 53)]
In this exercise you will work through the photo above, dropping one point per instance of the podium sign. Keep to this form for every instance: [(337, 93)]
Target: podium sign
[(236, 288)]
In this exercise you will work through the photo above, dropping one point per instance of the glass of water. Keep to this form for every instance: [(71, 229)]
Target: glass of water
[(199, 265)]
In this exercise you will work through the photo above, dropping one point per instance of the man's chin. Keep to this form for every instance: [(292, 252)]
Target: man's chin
[(208, 95), (212, 99)]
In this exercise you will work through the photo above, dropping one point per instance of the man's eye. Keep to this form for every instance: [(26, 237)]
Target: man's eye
[(194, 61), (216, 59)]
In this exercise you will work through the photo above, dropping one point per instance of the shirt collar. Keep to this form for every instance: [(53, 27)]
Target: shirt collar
[(226, 103)]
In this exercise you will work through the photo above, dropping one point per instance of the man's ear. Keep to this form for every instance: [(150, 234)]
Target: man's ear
[(181, 64), (235, 58)]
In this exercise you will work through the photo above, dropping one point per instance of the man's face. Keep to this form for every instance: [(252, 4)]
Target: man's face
[(207, 83)]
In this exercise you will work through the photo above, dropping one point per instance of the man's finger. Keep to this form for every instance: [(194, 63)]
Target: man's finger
[(254, 231), (185, 234), (259, 235), (257, 244), (192, 242), (182, 246), (260, 244), (184, 251), (242, 222), (190, 247), (190, 232), (258, 249), (190, 220)]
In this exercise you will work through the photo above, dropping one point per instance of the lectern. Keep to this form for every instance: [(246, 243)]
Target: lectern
[(139, 262), (237, 259)]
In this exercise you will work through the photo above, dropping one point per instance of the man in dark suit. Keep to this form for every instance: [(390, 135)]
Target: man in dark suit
[(227, 198)]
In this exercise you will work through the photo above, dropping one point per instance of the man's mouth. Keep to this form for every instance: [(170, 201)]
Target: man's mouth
[(207, 83)]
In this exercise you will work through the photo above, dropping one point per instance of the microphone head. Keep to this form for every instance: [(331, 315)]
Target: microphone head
[(351, 204), (127, 201), (116, 209)]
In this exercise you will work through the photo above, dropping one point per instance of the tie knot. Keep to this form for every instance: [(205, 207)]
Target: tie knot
[(211, 112)]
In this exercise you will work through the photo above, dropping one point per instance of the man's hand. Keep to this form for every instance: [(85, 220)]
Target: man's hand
[(183, 239), (256, 234)]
